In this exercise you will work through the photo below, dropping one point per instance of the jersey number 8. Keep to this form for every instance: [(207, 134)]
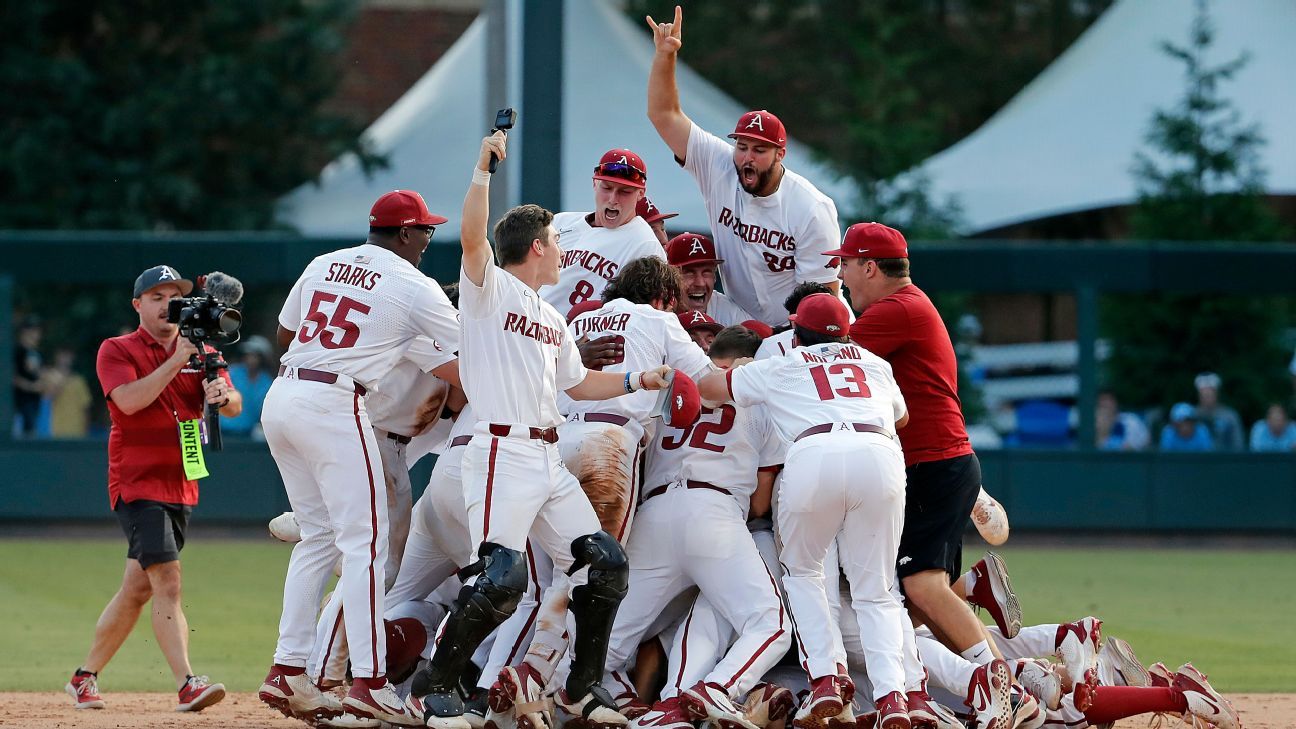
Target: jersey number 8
[(319, 324)]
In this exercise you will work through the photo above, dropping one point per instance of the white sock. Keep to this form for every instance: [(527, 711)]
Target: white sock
[(979, 654), (947, 671), (1034, 641)]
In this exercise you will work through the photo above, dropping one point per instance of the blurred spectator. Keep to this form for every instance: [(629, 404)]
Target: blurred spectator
[(69, 396), (1276, 433), (1116, 430), (251, 376), (27, 386), (1183, 433), (1223, 421)]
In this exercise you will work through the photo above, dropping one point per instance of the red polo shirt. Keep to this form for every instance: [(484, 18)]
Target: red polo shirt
[(906, 330), (144, 447)]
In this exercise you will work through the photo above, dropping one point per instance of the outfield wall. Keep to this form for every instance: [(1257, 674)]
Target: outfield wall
[(1042, 490)]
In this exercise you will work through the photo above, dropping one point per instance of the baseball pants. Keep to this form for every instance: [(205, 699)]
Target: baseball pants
[(604, 458)]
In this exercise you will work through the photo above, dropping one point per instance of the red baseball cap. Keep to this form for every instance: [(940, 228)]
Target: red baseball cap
[(582, 307), (622, 167), (649, 212), (691, 320), (761, 125), (764, 330), (822, 313), (402, 207), (871, 240), (687, 249), (682, 403)]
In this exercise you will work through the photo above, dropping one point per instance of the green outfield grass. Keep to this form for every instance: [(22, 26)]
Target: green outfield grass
[(1229, 611)]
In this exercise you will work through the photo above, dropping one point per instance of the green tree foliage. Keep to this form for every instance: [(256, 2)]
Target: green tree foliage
[(1200, 180), (156, 114)]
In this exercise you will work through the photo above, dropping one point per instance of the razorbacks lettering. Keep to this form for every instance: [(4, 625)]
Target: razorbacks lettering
[(519, 324), (591, 261), (768, 237), (345, 273)]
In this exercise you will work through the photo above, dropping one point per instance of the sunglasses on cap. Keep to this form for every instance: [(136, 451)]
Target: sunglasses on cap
[(622, 171)]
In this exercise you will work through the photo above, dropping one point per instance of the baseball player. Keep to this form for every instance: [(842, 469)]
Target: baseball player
[(517, 355), (701, 328), (695, 256), (769, 223), (655, 218), (346, 322), (597, 244), (838, 406), (780, 343)]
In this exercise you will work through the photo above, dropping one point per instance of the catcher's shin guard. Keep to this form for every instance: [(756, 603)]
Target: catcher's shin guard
[(479, 609), (594, 607)]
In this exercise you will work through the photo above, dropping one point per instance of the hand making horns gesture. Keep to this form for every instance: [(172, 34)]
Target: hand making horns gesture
[(666, 36)]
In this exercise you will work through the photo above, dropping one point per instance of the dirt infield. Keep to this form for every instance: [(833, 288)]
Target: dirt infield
[(145, 711)]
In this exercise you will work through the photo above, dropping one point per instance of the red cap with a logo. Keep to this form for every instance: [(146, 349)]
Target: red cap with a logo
[(402, 207), (649, 212), (759, 327), (622, 167), (822, 313), (687, 249), (871, 240), (761, 125), (691, 320)]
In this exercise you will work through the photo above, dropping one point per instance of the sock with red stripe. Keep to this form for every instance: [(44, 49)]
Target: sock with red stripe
[(1113, 703)]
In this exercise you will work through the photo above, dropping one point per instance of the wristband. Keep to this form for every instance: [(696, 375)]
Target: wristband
[(628, 388), (481, 177)]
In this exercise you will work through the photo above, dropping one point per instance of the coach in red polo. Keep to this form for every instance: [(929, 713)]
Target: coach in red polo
[(151, 389)]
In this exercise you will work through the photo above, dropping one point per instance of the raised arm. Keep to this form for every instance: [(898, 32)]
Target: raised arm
[(477, 253), (607, 385), (663, 95)]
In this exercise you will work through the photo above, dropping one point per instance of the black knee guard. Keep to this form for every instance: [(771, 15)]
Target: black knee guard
[(479, 609), (594, 607)]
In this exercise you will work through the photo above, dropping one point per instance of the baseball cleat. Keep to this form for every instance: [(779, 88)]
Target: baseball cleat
[(990, 519), (946, 719), (349, 721), (1160, 676), (665, 714), (285, 528), (824, 702), (844, 720), (711, 703), (1077, 646), (1026, 710), (629, 705), (1040, 681), (1204, 702), (198, 693), (993, 592), (893, 712), (520, 689), (84, 690), (990, 695), (768, 703), (596, 709), (379, 703), (297, 697), (868, 720), (1118, 666), (922, 715)]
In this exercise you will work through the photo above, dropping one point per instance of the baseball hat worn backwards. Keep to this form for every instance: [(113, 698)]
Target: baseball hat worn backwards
[(687, 249), (159, 275), (622, 167), (760, 125), (871, 240), (822, 313), (649, 212), (691, 320), (400, 208)]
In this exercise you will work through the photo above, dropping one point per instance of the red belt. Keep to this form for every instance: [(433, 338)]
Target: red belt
[(605, 418), (327, 378), (460, 440), (548, 435), (827, 427), (687, 484)]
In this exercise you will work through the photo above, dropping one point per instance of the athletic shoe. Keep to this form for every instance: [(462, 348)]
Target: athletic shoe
[(824, 702), (921, 713), (869, 721), (993, 592), (84, 690), (350, 721), (1040, 681), (767, 703), (297, 697), (845, 719), (1025, 710), (1118, 666), (1077, 646), (1160, 676), (595, 709), (285, 528), (379, 703), (946, 719), (665, 714), (630, 705), (520, 689), (198, 693), (499, 720), (1204, 702), (990, 519), (893, 712), (475, 708), (990, 695), (710, 702)]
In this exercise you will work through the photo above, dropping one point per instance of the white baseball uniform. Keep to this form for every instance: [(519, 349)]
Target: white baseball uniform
[(353, 312), (769, 244), (775, 345), (839, 477), (724, 310), (593, 256)]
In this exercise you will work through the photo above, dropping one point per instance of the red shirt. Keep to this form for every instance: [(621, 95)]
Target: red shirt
[(906, 330), (144, 448)]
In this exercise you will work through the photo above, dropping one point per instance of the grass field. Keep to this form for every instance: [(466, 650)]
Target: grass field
[(1229, 611)]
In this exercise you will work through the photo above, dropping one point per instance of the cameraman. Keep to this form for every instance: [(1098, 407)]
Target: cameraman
[(150, 389)]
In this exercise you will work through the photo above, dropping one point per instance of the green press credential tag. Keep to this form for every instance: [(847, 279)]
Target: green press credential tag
[(191, 454)]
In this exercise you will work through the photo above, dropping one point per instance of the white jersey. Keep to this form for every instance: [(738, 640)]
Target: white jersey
[(593, 256), (775, 345), (355, 310), (826, 383), (409, 400), (515, 354), (725, 311), (725, 448), (770, 243), (652, 338)]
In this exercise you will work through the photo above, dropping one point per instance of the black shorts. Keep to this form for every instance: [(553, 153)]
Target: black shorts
[(939, 497), (155, 531)]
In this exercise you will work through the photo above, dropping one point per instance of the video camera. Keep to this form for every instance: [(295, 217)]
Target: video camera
[(209, 317), (504, 121)]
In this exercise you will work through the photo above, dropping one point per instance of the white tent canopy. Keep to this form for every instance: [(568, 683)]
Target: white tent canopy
[(433, 132), (1067, 141)]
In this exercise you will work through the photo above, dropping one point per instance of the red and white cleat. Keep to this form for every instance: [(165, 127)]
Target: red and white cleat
[(1204, 702), (198, 693), (1077, 646), (84, 690), (380, 703), (824, 702), (990, 696), (768, 703), (993, 592), (893, 712), (297, 697), (710, 702)]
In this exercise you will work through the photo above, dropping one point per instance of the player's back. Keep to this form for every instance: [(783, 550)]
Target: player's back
[(593, 256)]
